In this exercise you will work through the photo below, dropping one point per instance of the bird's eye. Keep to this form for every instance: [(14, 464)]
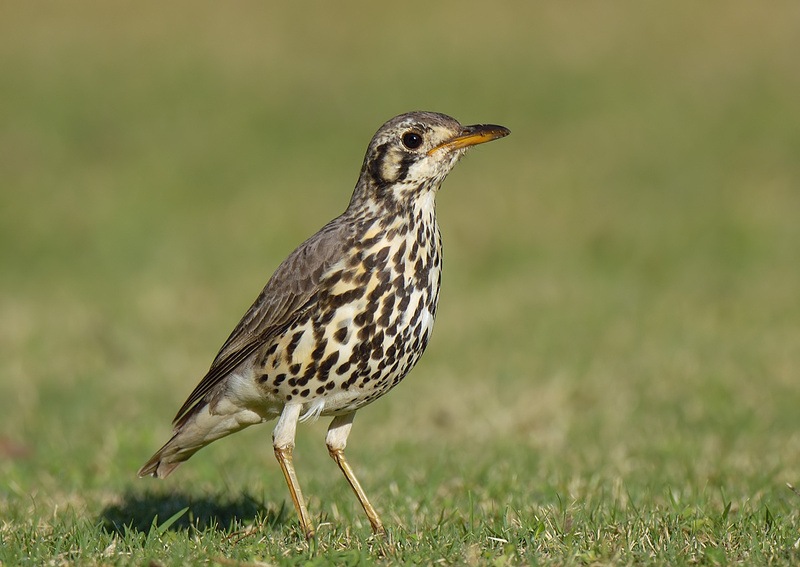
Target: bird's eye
[(412, 140)]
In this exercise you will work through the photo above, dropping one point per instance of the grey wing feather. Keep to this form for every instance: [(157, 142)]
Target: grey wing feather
[(292, 285)]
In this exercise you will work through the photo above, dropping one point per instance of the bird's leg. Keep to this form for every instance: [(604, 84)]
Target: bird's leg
[(336, 439), (283, 443)]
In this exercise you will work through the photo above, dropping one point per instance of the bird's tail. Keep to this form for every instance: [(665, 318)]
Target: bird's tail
[(194, 432)]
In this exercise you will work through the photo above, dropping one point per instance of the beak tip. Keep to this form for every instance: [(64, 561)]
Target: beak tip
[(491, 129), (481, 133)]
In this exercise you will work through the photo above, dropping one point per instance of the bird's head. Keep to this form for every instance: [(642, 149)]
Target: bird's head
[(411, 154)]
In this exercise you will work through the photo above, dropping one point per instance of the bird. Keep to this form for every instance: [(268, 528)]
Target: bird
[(344, 317)]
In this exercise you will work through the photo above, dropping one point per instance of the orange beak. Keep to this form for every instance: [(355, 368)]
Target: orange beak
[(473, 135)]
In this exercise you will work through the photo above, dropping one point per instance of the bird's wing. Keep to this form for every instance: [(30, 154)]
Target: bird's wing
[(286, 294)]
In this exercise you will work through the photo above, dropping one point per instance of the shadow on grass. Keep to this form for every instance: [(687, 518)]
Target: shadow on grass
[(138, 512)]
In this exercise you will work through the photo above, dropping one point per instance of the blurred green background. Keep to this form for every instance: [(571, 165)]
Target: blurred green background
[(620, 310)]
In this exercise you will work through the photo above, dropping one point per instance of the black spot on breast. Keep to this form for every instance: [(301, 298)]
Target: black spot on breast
[(361, 352), (308, 374), (388, 306), (294, 369), (418, 311), (279, 379), (366, 332), (422, 232), (318, 352), (290, 348), (405, 164), (318, 330), (355, 356), (368, 243), (380, 290), (382, 254), (399, 255), (425, 338), (353, 260), (263, 378), (326, 365), (334, 278), (349, 296), (377, 346), (363, 318), (320, 390), (305, 393), (323, 321), (421, 270), (369, 262), (340, 335)]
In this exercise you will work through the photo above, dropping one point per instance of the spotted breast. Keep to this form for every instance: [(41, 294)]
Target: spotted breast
[(372, 321)]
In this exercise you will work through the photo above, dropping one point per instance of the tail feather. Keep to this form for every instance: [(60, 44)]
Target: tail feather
[(191, 435), (167, 459)]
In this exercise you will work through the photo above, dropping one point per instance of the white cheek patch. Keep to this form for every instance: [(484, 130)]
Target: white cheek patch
[(390, 166)]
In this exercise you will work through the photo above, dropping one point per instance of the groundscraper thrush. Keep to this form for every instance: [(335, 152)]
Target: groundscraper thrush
[(345, 317)]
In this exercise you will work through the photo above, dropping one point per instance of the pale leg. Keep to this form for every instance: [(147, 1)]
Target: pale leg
[(283, 443), (336, 440)]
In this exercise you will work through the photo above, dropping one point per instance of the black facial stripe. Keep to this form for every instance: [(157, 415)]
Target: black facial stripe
[(405, 164), (375, 166)]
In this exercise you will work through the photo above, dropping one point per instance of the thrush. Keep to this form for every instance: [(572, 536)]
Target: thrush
[(344, 318)]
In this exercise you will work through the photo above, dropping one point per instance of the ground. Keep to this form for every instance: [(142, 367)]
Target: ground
[(613, 376)]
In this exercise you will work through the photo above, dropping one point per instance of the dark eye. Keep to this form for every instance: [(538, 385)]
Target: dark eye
[(412, 140)]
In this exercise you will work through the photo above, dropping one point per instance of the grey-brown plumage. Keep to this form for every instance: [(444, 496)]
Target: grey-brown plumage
[(345, 317)]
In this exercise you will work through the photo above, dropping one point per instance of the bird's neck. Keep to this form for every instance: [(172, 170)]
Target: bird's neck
[(399, 199), (415, 222)]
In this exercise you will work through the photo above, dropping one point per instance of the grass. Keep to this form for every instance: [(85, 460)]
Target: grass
[(614, 374)]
